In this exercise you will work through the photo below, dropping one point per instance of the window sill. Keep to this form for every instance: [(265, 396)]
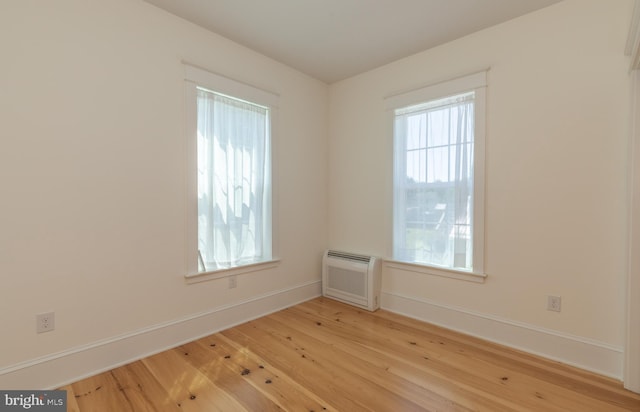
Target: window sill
[(434, 271), (225, 273)]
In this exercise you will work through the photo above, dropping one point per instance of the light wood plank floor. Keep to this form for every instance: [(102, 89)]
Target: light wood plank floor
[(325, 356)]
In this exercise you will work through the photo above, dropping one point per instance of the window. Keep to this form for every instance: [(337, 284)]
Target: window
[(438, 175), (229, 130), (233, 158)]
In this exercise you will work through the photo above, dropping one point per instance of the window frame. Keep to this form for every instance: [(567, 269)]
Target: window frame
[(196, 77), (477, 83)]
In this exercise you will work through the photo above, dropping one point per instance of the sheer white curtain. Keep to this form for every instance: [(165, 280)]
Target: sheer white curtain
[(233, 147), (433, 182)]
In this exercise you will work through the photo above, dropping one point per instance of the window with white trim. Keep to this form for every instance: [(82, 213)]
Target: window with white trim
[(229, 143), (438, 184)]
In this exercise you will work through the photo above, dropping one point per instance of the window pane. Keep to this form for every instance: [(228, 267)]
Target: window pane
[(439, 127), (438, 165), (461, 162), (416, 131), (433, 218), (416, 166), (233, 158), (426, 225)]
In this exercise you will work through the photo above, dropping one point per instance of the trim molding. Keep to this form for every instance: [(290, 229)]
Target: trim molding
[(577, 351), (62, 368), (632, 326), (632, 47), (228, 272), (434, 271)]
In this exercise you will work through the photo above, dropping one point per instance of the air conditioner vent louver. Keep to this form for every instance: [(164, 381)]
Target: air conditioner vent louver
[(352, 278), (348, 256)]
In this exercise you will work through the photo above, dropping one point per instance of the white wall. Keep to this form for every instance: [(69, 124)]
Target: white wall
[(557, 130), (92, 172)]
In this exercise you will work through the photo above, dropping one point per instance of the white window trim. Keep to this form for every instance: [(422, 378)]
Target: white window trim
[(435, 271), (230, 87), (228, 272), (195, 77), (476, 82)]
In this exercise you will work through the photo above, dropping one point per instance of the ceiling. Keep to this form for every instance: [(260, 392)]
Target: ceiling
[(335, 39)]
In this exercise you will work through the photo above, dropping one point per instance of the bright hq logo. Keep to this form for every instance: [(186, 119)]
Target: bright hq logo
[(43, 401)]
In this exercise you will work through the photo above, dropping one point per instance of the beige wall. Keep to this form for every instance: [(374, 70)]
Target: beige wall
[(92, 171), (556, 155)]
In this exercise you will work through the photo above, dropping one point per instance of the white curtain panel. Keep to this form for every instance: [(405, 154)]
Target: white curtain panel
[(232, 159)]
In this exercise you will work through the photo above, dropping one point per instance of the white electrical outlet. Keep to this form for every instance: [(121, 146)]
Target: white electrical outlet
[(233, 282), (45, 322), (554, 303)]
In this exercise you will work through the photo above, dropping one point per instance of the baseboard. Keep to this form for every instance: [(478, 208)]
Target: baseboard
[(581, 352), (59, 369)]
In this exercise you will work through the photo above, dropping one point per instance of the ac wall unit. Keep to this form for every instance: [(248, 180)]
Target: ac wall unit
[(351, 278)]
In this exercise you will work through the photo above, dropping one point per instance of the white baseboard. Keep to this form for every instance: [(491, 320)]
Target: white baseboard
[(581, 352), (59, 369)]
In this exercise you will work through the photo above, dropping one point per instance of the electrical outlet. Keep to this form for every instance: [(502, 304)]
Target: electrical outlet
[(233, 282), (45, 322), (554, 303)]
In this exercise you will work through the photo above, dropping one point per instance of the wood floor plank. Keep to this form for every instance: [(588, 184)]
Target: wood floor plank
[(187, 387), (400, 358), (253, 381), (101, 393), (510, 357), (285, 355), (475, 375), (376, 381), (377, 366), (228, 372), (593, 386), (323, 355), (72, 405), (142, 390)]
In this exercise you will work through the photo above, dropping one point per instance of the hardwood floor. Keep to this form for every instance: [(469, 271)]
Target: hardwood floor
[(325, 356)]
